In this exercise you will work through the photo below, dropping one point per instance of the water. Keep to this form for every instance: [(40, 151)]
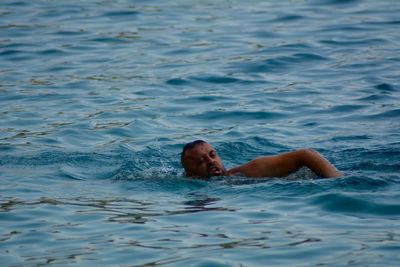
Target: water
[(98, 97)]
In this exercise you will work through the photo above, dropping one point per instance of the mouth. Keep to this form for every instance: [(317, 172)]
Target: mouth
[(215, 171)]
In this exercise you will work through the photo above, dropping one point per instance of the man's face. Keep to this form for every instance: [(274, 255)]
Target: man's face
[(203, 161)]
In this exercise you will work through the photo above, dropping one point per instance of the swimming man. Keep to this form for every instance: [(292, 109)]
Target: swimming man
[(200, 160)]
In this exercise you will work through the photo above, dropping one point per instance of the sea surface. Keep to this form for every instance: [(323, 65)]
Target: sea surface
[(97, 99)]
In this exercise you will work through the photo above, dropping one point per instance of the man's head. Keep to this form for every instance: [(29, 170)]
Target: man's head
[(199, 159)]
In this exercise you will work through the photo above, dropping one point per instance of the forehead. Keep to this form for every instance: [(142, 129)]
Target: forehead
[(199, 150)]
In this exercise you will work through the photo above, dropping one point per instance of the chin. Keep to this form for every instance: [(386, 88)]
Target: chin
[(221, 173)]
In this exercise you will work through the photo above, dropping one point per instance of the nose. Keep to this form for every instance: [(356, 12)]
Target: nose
[(210, 161)]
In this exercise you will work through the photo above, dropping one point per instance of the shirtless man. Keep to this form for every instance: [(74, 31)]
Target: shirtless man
[(200, 160)]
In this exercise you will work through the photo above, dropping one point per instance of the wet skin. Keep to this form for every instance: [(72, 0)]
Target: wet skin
[(202, 161)]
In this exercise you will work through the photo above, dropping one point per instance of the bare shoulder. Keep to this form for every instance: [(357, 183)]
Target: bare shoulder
[(259, 167), (273, 166)]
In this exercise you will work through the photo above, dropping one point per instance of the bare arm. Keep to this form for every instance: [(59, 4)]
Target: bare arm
[(287, 163)]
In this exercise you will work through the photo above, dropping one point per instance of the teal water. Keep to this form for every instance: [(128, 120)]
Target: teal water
[(97, 99)]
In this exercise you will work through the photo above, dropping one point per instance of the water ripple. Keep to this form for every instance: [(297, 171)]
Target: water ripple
[(345, 203), (98, 97)]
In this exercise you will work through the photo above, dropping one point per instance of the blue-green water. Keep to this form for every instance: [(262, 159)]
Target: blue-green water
[(98, 97)]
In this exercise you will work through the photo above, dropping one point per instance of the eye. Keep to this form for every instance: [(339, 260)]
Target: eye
[(213, 154)]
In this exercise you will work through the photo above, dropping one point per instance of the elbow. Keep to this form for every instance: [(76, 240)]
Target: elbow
[(317, 163), (306, 157), (310, 151), (306, 154)]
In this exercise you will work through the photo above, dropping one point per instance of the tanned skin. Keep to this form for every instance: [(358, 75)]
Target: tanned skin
[(202, 161)]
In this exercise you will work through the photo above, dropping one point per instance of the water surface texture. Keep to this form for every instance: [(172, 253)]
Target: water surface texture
[(97, 99)]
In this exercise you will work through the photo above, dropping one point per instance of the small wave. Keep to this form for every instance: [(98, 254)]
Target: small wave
[(238, 115), (70, 32), (377, 160), (288, 18), (354, 204), (393, 113), (336, 2), (384, 22), (345, 109), (375, 98), (121, 13), (10, 52), (177, 81), (385, 87), (107, 39), (283, 63), (51, 52), (216, 79), (354, 42)]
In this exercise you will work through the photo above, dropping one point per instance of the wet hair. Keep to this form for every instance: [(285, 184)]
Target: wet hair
[(190, 146)]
